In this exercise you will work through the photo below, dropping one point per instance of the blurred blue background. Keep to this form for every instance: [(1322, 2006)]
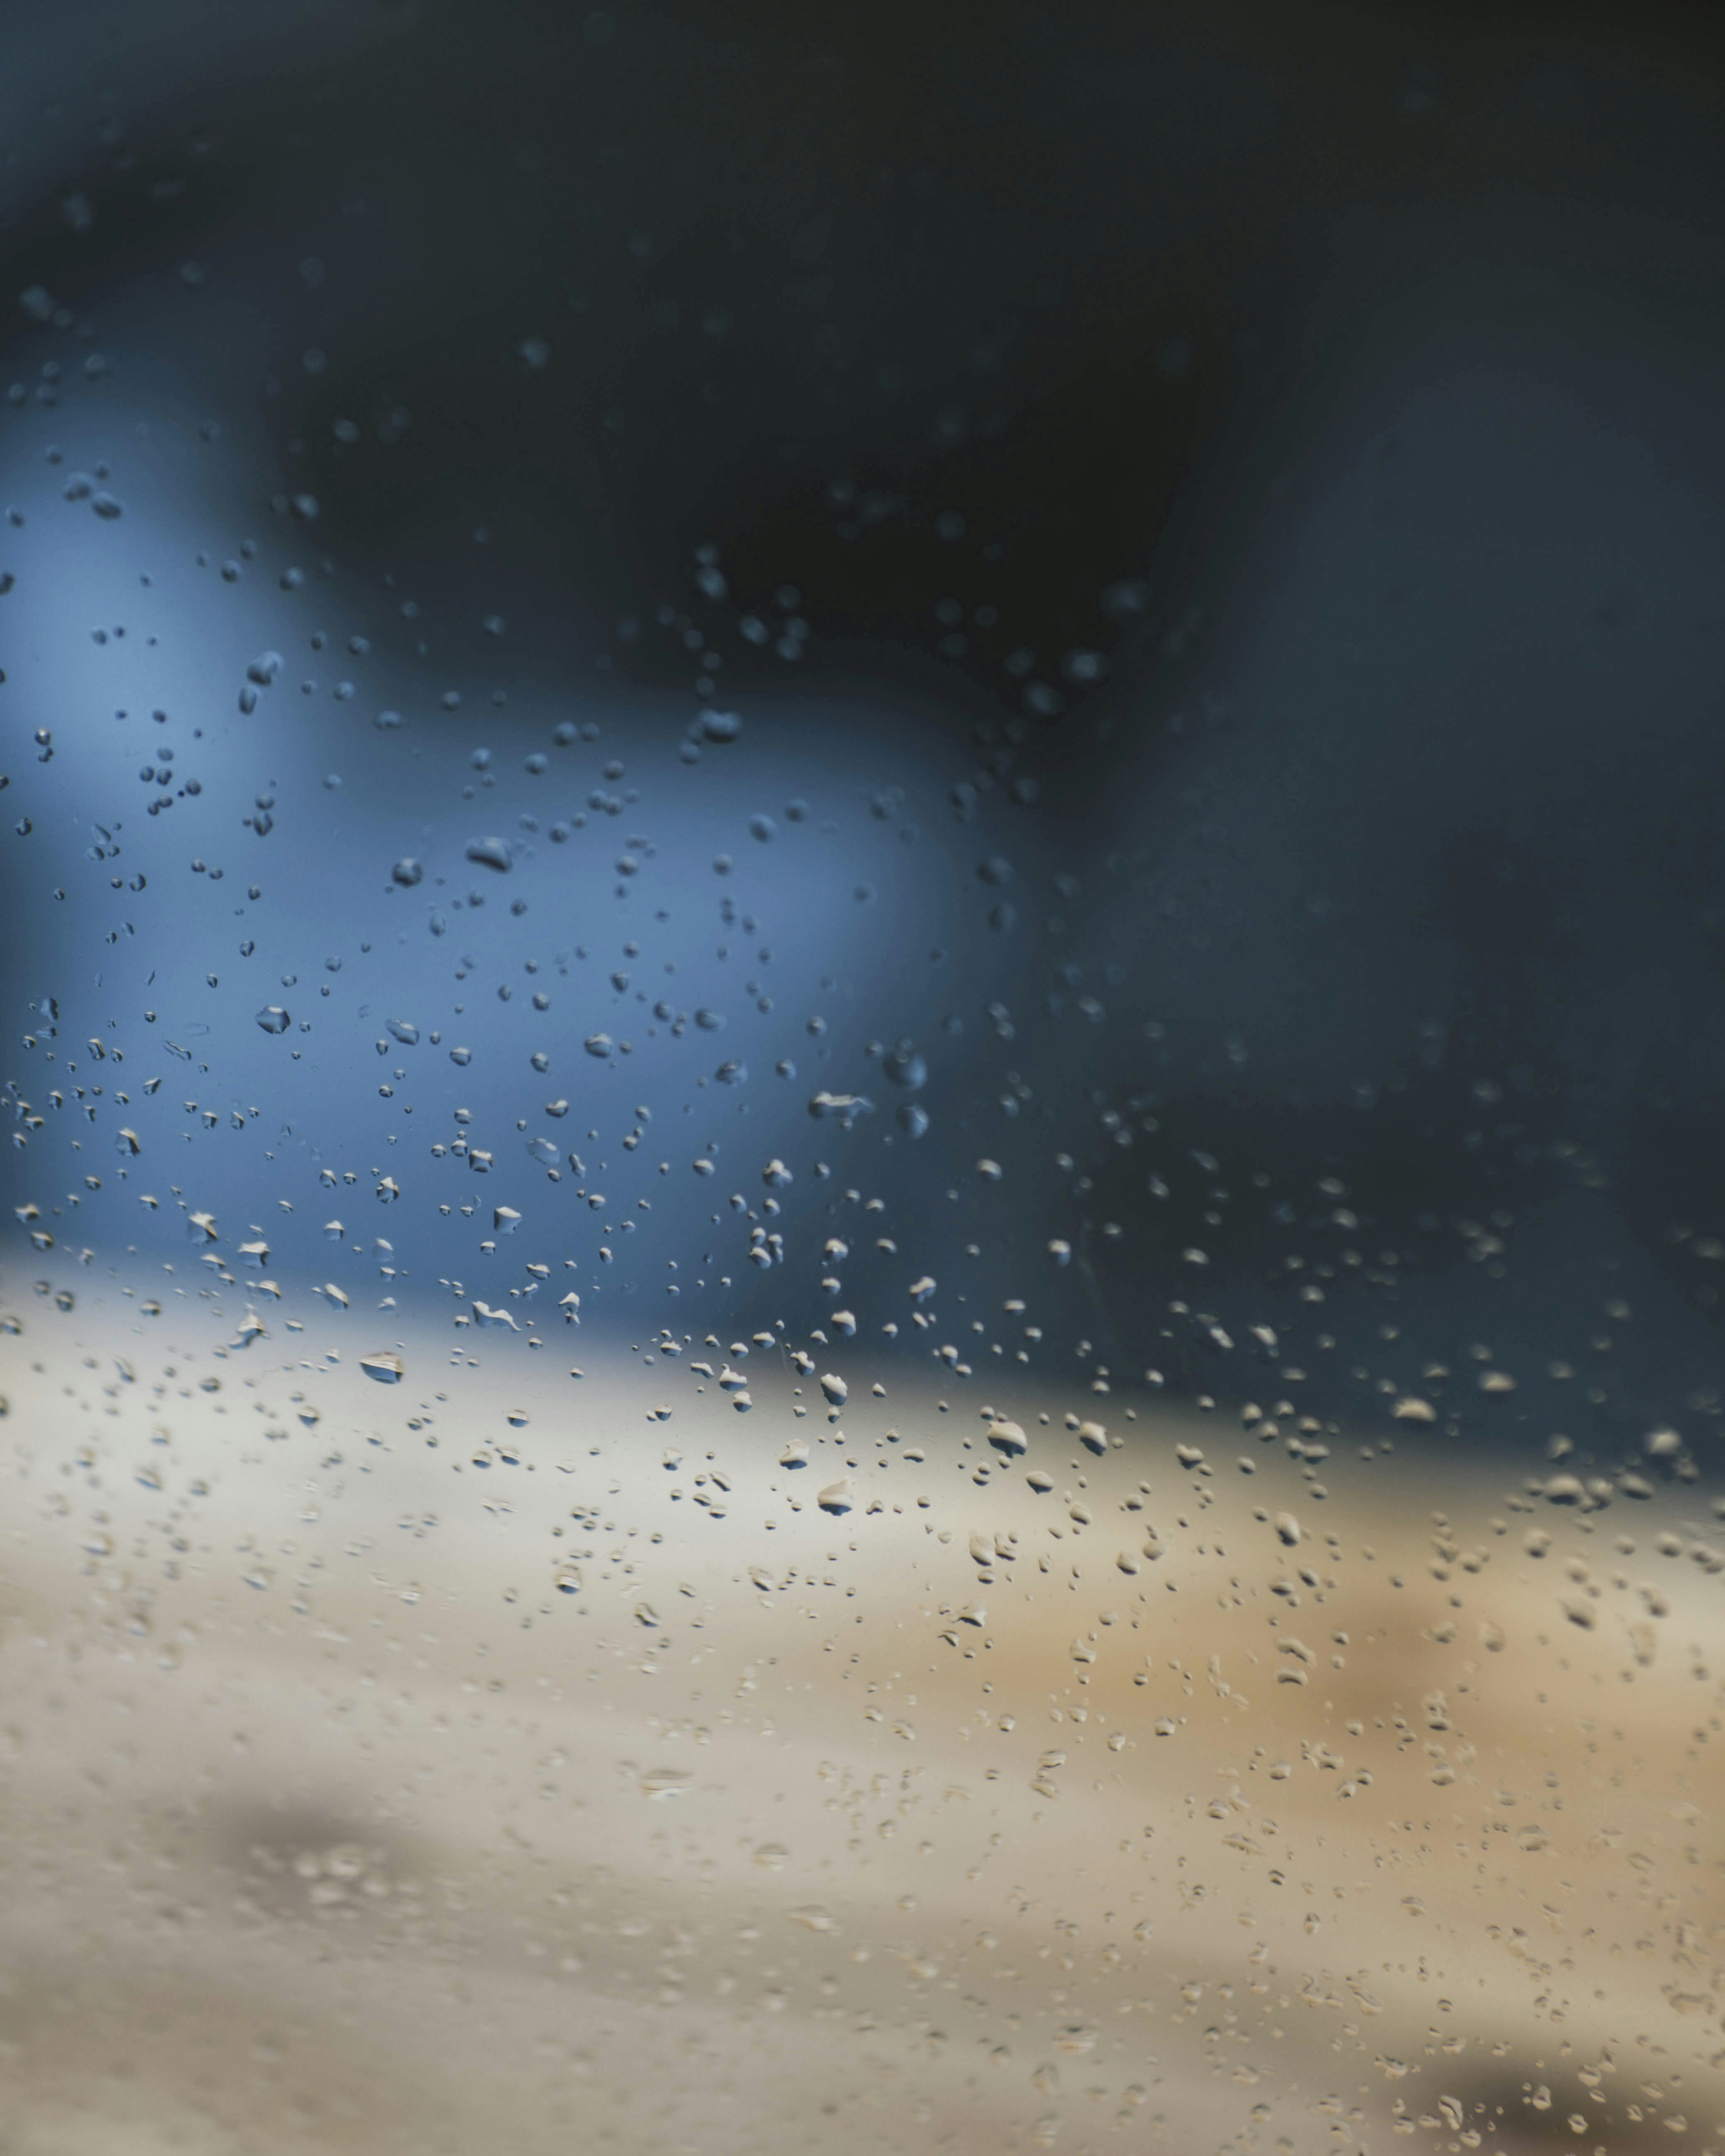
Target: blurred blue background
[(1211, 533)]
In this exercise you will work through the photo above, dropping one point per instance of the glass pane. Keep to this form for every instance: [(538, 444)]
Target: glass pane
[(864, 897)]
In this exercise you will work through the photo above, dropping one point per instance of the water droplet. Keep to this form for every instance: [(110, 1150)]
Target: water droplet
[(274, 1018), (491, 854), (384, 1369), (846, 1104)]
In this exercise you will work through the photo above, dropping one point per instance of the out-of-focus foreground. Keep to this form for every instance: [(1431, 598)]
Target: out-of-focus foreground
[(594, 1772)]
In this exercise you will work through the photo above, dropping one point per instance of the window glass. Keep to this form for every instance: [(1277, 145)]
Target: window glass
[(861, 1282)]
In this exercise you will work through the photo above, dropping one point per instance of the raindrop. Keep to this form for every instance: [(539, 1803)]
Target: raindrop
[(823, 1104), (905, 1068)]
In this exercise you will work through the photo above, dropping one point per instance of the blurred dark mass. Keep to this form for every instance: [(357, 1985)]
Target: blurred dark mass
[(1241, 485)]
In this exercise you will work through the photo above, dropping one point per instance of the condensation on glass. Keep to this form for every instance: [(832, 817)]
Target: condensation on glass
[(680, 1478)]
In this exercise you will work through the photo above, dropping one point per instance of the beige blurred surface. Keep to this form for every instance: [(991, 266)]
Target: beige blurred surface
[(331, 1823)]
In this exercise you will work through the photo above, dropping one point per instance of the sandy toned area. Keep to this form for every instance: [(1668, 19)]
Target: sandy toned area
[(1173, 1807)]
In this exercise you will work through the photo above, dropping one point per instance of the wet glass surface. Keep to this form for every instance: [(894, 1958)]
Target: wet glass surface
[(863, 911)]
